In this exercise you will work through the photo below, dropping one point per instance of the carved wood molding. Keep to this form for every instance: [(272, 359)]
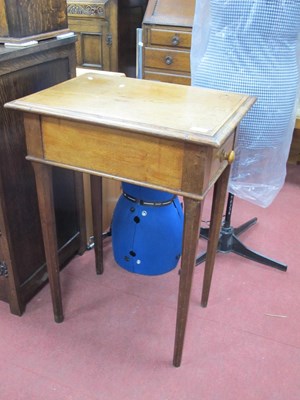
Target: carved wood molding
[(86, 9)]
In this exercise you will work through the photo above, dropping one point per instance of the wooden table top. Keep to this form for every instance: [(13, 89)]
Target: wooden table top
[(203, 116)]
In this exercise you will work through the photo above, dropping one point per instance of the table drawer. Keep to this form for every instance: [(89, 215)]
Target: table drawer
[(167, 59), (176, 39)]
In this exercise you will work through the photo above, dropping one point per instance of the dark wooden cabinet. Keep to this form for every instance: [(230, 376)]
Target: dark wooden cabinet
[(22, 261), (21, 21), (167, 34)]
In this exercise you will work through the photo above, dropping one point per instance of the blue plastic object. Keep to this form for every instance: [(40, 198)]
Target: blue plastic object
[(147, 229)]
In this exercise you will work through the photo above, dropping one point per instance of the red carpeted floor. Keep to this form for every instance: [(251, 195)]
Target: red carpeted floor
[(117, 338)]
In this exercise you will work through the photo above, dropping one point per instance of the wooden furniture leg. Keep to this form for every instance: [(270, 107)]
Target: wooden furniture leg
[(96, 197), (220, 190), (192, 216), (43, 176), (81, 211)]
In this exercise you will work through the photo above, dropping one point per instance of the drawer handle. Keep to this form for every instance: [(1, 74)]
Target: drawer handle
[(175, 40), (227, 156), (169, 60)]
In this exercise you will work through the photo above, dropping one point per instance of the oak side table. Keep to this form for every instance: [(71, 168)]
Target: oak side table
[(164, 136)]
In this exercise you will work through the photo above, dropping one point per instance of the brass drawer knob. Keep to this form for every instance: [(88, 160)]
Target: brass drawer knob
[(175, 40), (169, 60), (227, 156)]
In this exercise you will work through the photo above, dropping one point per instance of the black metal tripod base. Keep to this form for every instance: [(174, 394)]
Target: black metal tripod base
[(228, 242)]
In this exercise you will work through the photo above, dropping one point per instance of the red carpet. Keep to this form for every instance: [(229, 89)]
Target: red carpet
[(117, 338)]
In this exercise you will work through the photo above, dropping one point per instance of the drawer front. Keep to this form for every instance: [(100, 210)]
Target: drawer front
[(169, 78), (176, 39), (167, 59)]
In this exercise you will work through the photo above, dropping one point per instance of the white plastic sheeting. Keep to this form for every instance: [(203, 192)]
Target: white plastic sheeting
[(252, 47)]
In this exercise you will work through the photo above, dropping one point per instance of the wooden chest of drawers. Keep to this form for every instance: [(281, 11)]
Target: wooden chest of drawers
[(167, 34)]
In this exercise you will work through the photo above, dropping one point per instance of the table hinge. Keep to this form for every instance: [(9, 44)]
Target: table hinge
[(108, 39), (3, 269)]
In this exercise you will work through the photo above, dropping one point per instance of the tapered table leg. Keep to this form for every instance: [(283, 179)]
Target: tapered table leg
[(96, 195), (192, 216), (43, 177), (220, 190), (81, 211)]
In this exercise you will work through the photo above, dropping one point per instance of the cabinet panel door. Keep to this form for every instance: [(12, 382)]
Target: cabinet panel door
[(93, 48)]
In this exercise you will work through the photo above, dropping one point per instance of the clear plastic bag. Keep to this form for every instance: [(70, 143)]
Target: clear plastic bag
[(253, 47)]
